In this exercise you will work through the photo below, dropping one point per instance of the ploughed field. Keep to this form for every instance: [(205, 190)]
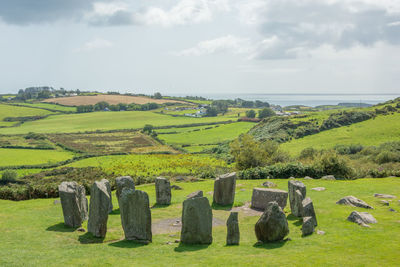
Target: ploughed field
[(33, 233), (111, 99)]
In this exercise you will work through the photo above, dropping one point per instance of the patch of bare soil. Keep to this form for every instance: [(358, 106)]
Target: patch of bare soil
[(245, 210), (111, 99), (174, 225)]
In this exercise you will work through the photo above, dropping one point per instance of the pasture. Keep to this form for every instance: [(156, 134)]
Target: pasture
[(69, 123), (44, 240), (17, 157), (48, 106), (14, 111), (111, 99), (368, 133), (208, 135)]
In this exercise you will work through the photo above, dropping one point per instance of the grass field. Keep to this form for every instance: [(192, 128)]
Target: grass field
[(371, 132), (223, 132), (21, 141), (153, 165), (33, 233), (13, 111), (105, 121), (50, 106), (16, 157)]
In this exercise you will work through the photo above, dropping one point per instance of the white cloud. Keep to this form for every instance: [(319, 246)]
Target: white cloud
[(97, 43), (228, 43)]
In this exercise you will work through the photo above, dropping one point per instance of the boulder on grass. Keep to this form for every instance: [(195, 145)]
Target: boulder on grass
[(74, 203), (224, 189), (354, 202), (308, 226), (361, 218), (308, 210), (196, 221), (295, 198), (272, 225), (328, 177), (269, 184), (262, 196), (384, 196), (195, 194), (163, 191), (233, 233), (99, 208), (135, 215), (107, 183)]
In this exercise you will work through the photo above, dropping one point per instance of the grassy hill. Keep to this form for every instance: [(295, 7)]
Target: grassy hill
[(16, 157), (371, 132), (14, 111), (33, 233)]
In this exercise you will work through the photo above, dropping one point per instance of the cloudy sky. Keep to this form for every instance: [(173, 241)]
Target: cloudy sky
[(201, 46)]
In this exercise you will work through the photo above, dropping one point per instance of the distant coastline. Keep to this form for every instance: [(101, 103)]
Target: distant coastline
[(311, 100)]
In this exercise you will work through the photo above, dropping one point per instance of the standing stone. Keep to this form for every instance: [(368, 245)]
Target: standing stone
[(295, 198), (163, 191), (73, 202), (99, 208), (272, 225), (262, 196), (107, 183), (308, 210), (233, 233), (196, 221), (224, 189), (135, 215), (308, 226), (123, 182)]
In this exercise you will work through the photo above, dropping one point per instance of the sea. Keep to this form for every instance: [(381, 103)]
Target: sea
[(310, 100)]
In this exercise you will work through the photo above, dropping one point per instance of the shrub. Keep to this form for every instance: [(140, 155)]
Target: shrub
[(331, 163), (348, 149), (265, 112), (308, 153), (250, 114), (9, 176), (387, 156)]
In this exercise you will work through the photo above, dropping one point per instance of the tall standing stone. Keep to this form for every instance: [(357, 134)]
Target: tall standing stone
[(294, 200), (99, 208), (74, 203), (308, 226), (196, 221), (107, 183), (224, 189), (163, 191), (272, 225), (233, 233), (135, 215), (123, 182), (308, 210)]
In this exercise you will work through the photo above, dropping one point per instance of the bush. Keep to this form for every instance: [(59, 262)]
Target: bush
[(250, 114), (9, 176), (387, 156), (265, 112), (348, 149), (308, 153), (331, 163)]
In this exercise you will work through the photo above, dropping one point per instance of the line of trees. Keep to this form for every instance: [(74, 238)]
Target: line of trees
[(104, 106)]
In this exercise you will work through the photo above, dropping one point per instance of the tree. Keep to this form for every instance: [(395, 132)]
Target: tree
[(265, 112), (148, 129), (157, 95), (250, 114), (211, 112), (101, 105)]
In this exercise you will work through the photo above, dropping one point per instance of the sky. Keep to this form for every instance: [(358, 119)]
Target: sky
[(195, 47)]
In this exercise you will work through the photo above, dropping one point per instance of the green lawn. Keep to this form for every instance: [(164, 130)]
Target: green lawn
[(223, 132), (371, 132), (32, 233), (105, 121), (16, 157)]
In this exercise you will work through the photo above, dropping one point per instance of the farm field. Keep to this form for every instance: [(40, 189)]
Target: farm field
[(49, 106), (111, 99), (368, 133), (45, 241), (106, 143), (221, 133), (69, 123), (153, 165), (16, 157), (13, 111), (9, 141)]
